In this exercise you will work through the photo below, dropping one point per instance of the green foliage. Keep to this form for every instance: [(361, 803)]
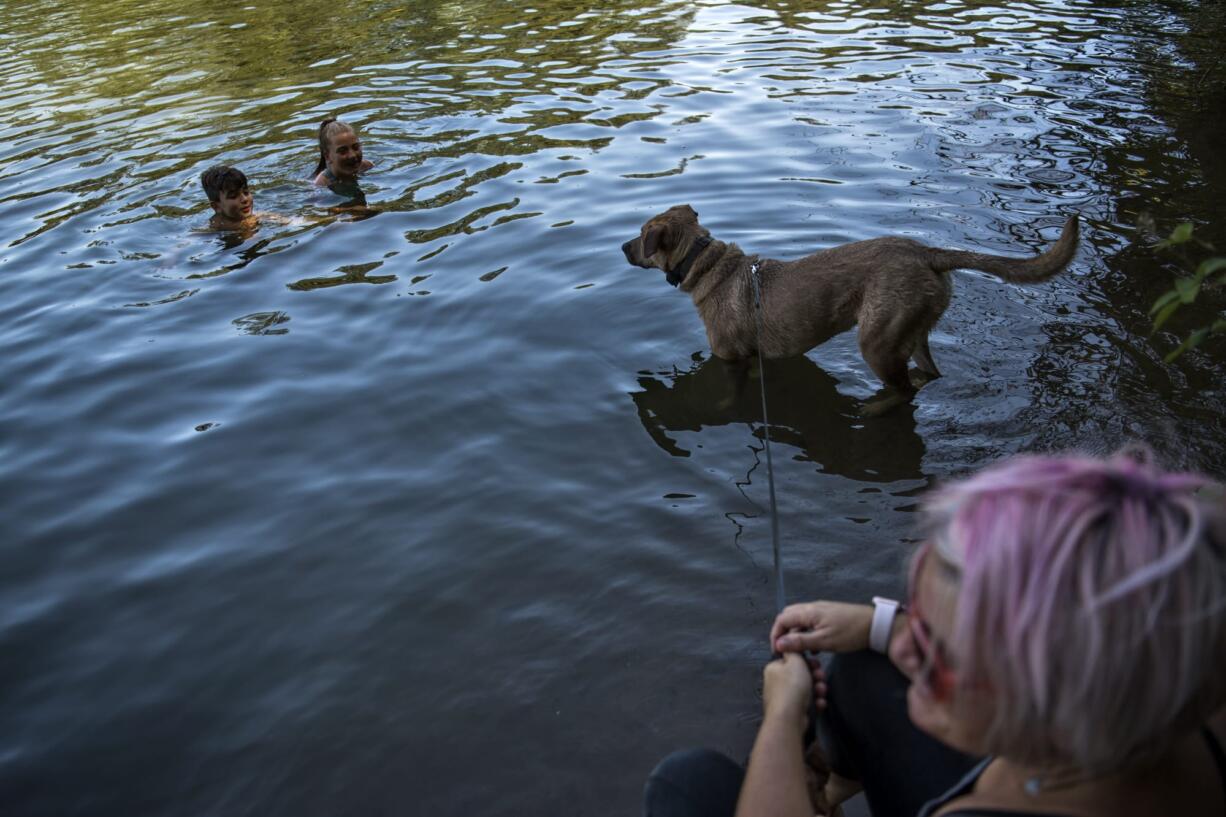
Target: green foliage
[(1186, 290)]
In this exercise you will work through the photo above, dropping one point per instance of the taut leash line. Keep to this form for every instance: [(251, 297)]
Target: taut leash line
[(780, 596)]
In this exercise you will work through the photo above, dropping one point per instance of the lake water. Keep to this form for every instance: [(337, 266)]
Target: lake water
[(447, 510)]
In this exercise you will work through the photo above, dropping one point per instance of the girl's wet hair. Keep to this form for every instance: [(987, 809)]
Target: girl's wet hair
[(1091, 602), (328, 129), (222, 179)]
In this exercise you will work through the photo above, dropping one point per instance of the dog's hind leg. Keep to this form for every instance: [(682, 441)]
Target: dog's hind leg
[(926, 368), (923, 358), (890, 364)]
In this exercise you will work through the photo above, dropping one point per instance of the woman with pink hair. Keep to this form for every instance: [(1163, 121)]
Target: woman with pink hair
[(1060, 653)]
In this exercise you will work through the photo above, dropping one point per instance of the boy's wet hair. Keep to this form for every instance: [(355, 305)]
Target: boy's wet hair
[(327, 129), (222, 179)]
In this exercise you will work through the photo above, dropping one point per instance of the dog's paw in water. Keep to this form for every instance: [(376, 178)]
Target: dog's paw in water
[(920, 378), (886, 403)]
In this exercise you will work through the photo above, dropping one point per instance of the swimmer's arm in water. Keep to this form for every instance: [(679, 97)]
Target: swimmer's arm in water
[(279, 219), (219, 223), (255, 220)]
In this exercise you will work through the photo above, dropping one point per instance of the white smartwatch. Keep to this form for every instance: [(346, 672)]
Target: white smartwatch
[(884, 611)]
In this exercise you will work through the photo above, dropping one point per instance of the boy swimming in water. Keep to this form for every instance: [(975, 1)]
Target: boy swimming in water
[(230, 197)]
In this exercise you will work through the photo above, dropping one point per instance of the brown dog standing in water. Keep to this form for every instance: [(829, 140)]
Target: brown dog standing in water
[(894, 288)]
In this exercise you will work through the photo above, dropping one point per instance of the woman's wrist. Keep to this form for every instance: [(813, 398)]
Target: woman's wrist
[(865, 627), (881, 628), (785, 718)]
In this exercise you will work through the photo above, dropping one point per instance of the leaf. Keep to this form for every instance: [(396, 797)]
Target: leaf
[(1181, 234), (1165, 314), (1187, 287), (1190, 342), (1210, 266), (1166, 298)]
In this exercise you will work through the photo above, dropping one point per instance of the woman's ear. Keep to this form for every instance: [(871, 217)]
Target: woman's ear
[(654, 240)]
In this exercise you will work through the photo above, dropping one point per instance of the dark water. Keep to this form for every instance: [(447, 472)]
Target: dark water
[(447, 510)]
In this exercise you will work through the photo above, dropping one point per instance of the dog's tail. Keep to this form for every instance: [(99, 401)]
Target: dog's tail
[(1014, 270)]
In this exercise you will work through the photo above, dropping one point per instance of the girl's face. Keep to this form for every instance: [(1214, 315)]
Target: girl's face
[(344, 155), (939, 701)]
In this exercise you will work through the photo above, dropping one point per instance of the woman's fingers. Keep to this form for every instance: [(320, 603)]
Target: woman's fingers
[(792, 617), (798, 641), (819, 682)]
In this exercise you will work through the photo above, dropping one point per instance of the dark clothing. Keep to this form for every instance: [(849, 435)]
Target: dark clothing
[(967, 784), (865, 733), (1219, 756), (867, 736), (693, 783)]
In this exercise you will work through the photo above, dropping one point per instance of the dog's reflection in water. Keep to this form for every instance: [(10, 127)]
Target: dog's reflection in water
[(807, 412)]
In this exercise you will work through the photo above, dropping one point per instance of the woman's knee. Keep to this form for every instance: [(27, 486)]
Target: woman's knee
[(863, 700), (864, 676), (693, 783)]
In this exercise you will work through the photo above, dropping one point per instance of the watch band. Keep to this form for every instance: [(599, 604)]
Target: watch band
[(884, 611)]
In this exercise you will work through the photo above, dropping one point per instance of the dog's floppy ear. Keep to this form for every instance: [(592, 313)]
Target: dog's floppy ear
[(654, 239)]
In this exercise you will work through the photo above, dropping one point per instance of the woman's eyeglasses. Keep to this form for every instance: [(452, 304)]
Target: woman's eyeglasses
[(936, 672)]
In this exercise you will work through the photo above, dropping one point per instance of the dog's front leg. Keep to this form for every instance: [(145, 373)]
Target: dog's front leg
[(737, 370)]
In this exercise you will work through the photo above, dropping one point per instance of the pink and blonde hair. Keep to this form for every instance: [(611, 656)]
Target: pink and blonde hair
[(1091, 604)]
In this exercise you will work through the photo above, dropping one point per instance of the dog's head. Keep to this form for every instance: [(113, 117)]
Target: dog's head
[(665, 241)]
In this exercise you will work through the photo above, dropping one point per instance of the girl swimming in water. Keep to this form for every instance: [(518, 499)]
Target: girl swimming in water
[(340, 155)]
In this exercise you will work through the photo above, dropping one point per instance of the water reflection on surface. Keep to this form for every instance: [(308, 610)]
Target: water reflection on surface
[(806, 411), (439, 545)]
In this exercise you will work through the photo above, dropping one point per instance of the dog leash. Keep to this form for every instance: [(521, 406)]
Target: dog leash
[(780, 596)]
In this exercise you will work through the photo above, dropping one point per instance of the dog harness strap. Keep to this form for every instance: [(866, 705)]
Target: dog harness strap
[(675, 277)]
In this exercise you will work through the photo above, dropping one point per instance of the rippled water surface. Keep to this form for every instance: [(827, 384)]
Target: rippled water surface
[(439, 507)]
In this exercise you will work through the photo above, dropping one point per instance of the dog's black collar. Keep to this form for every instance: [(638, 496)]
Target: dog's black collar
[(675, 277)]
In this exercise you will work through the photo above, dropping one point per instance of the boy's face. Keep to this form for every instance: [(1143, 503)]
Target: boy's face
[(234, 205), (345, 153)]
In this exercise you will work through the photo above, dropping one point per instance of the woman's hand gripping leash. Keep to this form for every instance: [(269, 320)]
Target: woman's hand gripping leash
[(803, 630), (820, 626), (793, 696), (794, 684)]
